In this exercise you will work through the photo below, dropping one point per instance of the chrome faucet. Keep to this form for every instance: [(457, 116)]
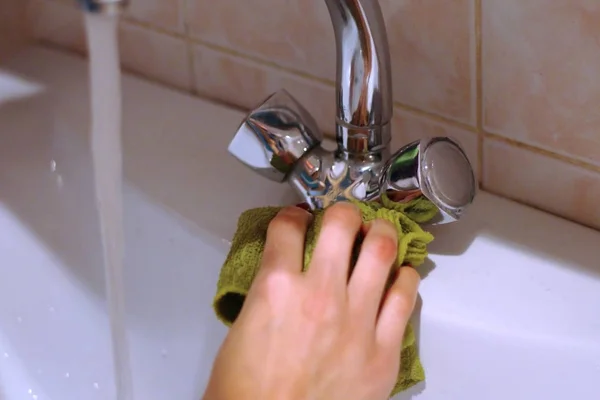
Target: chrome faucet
[(109, 7), (281, 141)]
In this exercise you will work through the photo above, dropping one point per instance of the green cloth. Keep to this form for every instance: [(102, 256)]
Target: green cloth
[(243, 262)]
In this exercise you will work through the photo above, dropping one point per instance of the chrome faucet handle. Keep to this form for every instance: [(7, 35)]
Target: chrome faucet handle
[(274, 136), (437, 168)]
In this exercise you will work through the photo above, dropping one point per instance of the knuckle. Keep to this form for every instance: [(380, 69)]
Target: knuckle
[(383, 243), (386, 227), (402, 304), (343, 214), (321, 307), (274, 285), (385, 248), (385, 366), (278, 278), (410, 273)]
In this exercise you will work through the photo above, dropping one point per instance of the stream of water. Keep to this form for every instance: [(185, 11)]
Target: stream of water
[(107, 156)]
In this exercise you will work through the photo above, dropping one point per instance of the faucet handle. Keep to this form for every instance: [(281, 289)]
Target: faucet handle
[(274, 136), (437, 168)]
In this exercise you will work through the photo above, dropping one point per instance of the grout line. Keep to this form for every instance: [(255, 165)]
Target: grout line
[(479, 64), (538, 208), (280, 68), (258, 60), (223, 103), (230, 51), (479, 86), (136, 73), (192, 68), (24, 21), (435, 117), (190, 49), (544, 152), (59, 48)]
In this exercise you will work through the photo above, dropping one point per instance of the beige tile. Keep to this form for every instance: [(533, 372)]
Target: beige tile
[(541, 181), (165, 14), (407, 126), (430, 44), (541, 62), (432, 50), (246, 84), (12, 16), (13, 36), (57, 23), (10, 44), (295, 34), (155, 55), (147, 52)]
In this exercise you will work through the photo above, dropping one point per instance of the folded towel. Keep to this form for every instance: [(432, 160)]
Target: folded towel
[(243, 262)]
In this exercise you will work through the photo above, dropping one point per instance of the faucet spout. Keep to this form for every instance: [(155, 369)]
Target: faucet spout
[(363, 76), (107, 7)]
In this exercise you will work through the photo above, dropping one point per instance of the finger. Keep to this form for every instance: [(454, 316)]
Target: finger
[(331, 257), (377, 255), (398, 305), (284, 247)]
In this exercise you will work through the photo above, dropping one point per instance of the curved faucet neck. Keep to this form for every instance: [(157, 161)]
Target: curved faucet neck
[(363, 77)]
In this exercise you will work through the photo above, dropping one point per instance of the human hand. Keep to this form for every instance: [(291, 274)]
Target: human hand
[(319, 335)]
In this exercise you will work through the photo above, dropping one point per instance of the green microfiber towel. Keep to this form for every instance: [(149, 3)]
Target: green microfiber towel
[(243, 262)]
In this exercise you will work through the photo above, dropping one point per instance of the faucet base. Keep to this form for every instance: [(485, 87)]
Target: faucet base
[(322, 177)]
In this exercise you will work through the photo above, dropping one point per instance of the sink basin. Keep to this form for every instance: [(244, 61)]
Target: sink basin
[(508, 309)]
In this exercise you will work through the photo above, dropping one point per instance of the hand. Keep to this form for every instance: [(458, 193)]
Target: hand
[(319, 335)]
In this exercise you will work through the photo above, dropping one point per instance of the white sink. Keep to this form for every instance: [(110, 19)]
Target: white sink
[(510, 311)]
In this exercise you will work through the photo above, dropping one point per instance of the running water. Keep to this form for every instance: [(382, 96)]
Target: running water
[(107, 159)]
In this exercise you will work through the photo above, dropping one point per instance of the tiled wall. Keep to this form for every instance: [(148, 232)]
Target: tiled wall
[(518, 82), (12, 27)]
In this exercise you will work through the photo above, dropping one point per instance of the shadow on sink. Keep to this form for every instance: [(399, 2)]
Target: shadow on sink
[(520, 227)]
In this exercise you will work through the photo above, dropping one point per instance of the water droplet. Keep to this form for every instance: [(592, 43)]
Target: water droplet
[(5, 355), (67, 375), (34, 397), (19, 319), (96, 386), (30, 391), (59, 181), (51, 309), (53, 165)]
